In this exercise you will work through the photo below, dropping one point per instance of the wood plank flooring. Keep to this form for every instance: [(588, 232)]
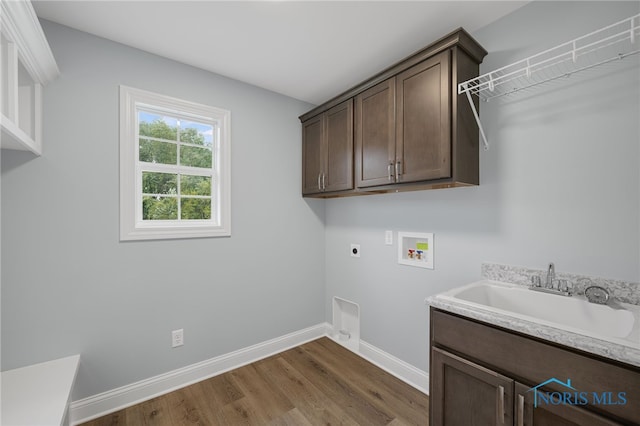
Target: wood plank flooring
[(318, 383)]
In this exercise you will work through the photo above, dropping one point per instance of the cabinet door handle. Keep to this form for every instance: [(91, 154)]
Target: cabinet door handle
[(390, 173), (319, 186), (324, 181), (501, 405), (398, 173), (520, 419)]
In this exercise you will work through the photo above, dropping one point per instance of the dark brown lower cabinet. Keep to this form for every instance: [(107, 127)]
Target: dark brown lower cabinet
[(469, 394), (552, 415), (483, 375)]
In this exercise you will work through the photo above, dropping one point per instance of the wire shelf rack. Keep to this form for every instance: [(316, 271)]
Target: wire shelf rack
[(611, 43)]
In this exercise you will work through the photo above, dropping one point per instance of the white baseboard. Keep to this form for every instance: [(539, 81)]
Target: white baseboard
[(409, 374), (108, 402), (116, 399)]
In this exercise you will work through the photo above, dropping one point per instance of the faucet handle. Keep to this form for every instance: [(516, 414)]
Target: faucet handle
[(597, 294), (565, 285), (535, 281)]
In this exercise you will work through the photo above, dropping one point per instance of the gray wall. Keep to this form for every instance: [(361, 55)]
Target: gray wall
[(69, 286), (560, 183)]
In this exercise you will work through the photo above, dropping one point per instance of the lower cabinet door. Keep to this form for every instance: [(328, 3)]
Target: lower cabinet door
[(467, 394), (526, 414)]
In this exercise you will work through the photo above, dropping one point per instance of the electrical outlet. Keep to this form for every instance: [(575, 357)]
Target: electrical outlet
[(355, 250), (177, 338)]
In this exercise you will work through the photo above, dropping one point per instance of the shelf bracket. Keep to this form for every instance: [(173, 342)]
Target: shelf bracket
[(477, 117)]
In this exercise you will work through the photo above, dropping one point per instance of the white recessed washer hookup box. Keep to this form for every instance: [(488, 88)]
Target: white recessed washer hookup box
[(415, 249), (346, 323)]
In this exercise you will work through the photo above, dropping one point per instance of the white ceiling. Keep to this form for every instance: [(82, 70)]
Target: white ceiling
[(308, 50)]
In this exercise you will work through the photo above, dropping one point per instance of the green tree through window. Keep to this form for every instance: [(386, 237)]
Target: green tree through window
[(173, 142), (175, 168)]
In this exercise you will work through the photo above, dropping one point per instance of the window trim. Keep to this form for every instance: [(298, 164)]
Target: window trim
[(131, 226)]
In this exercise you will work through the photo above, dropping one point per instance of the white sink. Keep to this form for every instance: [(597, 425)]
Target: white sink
[(573, 313)]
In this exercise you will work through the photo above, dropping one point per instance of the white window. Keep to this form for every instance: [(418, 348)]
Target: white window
[(174, 168)]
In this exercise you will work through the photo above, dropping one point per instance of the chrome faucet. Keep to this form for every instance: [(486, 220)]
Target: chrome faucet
[(551, 275), (551, 285)]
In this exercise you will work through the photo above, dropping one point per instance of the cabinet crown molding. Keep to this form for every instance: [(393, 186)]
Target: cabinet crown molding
[(20, 25), (456, 38)]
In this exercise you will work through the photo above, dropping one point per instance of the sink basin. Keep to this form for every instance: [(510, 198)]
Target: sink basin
[(574, 313)]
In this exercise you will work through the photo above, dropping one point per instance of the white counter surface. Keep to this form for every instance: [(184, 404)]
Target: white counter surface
[(38, 394), (615, 349)]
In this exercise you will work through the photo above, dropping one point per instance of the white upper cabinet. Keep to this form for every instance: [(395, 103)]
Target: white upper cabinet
[(26, 64)]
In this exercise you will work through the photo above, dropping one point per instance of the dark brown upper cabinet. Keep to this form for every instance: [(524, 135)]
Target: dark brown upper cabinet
[(403, 126), (423, 135), (411, 129), (327, 151), (375, 134), (312, 136)]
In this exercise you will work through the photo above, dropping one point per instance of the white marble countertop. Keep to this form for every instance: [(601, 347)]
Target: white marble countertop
[(613, 350)]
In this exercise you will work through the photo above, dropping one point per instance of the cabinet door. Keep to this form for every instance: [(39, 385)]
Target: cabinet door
[(375, 134), (552, 415), (423, 127), (312, 155), (338, 157), (466, 394)]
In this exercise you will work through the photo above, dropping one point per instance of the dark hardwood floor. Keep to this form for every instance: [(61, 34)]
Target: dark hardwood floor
[(318, 383)]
